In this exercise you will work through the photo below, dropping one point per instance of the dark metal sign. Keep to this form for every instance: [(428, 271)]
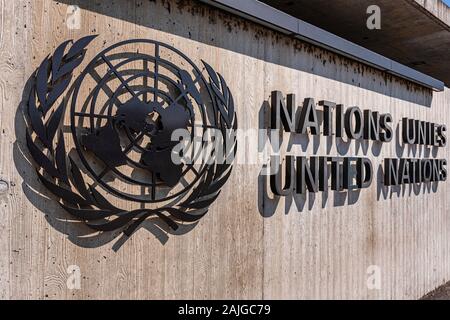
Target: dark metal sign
[(124, 107), (311, 174)]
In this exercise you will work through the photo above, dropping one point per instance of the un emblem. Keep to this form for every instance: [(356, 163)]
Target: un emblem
[(103, 143)]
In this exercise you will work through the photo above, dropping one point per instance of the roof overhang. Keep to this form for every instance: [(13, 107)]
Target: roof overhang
[(275, 19)]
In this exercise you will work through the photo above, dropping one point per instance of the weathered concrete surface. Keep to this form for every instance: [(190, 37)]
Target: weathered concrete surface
[(413, 32)]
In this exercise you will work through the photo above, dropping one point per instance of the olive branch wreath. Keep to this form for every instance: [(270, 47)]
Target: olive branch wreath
[(64, 179)]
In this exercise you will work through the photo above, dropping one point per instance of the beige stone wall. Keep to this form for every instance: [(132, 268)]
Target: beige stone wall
[(247, 246)]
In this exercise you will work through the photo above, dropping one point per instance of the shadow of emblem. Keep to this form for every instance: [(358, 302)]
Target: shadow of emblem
[(120, 114)]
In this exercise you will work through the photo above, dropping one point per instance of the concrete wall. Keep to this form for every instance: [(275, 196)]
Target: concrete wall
[(247, 246)]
